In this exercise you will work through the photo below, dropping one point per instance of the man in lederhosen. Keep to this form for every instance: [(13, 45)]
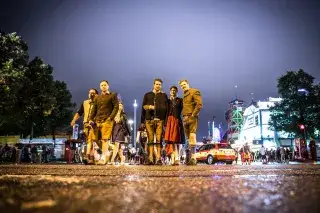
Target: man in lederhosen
[(192, 104), (84, 111), (153, 115), (104, 110)]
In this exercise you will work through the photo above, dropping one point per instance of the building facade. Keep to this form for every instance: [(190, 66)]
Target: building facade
[(256, 129)]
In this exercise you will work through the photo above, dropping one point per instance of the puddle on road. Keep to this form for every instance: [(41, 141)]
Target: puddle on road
[(50, 178), (132, 178), (256, 177)]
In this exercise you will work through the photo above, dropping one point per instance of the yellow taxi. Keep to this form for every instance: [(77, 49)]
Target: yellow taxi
[(216, 152)]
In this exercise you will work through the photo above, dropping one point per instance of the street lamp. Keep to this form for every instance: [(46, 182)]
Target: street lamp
[(135, 105), (303, 90), (302, 127), (130, 122)]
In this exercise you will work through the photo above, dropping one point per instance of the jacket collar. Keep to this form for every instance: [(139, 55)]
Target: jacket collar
[(186, 93)]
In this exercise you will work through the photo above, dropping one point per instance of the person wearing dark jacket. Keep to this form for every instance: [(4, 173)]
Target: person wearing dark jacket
[(153, 115), (119, 133), (104, 109), (174, 134), (313, 149)]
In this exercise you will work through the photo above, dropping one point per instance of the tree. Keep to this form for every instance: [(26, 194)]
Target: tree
[(36, 97), (61, 111), (13, 62), (30, 97), (299, 104)]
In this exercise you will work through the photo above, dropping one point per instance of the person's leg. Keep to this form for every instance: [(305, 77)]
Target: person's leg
[(159, 131), (115, 152), (186, 127), (150, 133), (175, 158), (90, 135), (193, 126), (106, 130), (121, 156)]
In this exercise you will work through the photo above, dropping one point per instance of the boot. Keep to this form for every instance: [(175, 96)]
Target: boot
[(193, 160)]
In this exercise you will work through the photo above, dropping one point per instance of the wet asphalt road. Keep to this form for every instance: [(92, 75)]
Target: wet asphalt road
[(201, 188)]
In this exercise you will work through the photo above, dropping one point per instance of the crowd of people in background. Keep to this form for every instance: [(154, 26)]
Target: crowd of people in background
[(281, 154), (26, 153)]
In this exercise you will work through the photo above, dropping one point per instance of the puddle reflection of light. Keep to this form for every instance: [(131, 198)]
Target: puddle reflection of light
[(132, 177), (256, 177), (216, 177)]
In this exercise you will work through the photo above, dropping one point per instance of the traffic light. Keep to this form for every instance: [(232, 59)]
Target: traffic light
[(301, 126)]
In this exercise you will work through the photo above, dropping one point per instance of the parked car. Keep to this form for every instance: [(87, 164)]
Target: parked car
[(216, 152)]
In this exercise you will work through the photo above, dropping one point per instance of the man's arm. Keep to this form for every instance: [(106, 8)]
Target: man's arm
[(181, 116), (167, 108), (115, 109), (138, 137), (143, 109), (198, 99), (78, 114), (93, 109)]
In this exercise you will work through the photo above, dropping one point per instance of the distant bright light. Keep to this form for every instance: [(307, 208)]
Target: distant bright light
[(130, 121), (304, 91), (301, 127), (135, 104)]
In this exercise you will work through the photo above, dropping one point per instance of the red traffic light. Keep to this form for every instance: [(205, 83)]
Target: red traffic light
[(301, 127)]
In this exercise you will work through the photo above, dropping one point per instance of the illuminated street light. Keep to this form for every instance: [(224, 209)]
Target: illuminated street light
[(303, 90), (301, 127), (135, 105)]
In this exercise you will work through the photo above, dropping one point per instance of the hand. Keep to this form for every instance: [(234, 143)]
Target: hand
[(72, 123), (91, 123), (151, 107), (186, 120), (117, 119)]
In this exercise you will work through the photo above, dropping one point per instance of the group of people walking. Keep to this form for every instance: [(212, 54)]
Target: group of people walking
[(171, 119)]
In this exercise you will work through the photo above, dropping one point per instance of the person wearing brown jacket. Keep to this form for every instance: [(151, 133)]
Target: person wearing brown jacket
[(104, 110), (192, 104)]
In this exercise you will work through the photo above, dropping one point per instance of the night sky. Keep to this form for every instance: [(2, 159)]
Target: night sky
[(214, 44)]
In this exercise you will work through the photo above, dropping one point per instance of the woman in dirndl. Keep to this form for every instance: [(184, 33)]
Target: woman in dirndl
[(119, 133), (174, 134)]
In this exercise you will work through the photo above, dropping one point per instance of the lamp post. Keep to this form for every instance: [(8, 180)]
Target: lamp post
[(213, 127), (130, 122), (135, 105), (303, 126)]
